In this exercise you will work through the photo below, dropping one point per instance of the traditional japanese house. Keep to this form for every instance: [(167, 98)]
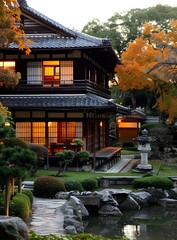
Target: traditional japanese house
[(63, 93)]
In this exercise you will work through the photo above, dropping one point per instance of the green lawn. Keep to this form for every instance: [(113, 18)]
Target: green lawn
[(159, 167)]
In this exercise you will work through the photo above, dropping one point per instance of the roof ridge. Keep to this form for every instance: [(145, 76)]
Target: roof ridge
[(72, 32)]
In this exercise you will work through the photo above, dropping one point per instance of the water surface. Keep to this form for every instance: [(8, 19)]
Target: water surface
[(151, 223)]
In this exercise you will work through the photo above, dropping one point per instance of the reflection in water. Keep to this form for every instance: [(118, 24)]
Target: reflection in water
[(150, 223), (131, 231)]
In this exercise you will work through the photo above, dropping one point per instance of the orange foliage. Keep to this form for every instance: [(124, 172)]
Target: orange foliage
[(11, 29), (150, 62)]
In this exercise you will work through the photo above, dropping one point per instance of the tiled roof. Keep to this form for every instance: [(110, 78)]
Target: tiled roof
[(74, 39), (62, 101), (54, 41)]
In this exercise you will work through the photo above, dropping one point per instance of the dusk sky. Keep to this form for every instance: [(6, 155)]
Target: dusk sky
[(77, 13)]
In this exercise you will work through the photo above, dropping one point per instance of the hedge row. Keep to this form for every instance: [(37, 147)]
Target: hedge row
[(48, 186)]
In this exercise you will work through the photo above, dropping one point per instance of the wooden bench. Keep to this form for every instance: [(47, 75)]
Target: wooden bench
[(106, 157)]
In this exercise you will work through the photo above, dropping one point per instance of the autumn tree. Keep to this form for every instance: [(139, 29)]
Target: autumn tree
[(150, 63), (11, 29)]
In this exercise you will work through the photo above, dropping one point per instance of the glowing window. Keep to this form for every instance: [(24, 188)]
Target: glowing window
[(7, 65)]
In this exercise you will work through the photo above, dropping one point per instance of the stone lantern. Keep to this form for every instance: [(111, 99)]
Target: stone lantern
[(144, 147)]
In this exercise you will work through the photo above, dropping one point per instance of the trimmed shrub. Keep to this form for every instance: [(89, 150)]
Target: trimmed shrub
[(20, 206), (129, 146), (82, 156), (29, 194), (14, 142), (47, 186), (153, 181), (73, 185), (89, 184)]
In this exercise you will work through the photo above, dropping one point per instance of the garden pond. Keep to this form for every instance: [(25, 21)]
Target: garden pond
[(149, 223)]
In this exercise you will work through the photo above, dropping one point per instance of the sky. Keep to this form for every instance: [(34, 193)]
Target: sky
[(75, 14)]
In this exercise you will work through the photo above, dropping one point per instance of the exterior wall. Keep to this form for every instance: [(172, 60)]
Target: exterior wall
[(127, 134)]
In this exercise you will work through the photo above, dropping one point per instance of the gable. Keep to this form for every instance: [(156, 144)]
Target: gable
[(33, 27), (35, 22)]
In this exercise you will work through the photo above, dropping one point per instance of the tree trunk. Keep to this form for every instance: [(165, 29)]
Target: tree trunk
[(7, 198), (19, 184), (133, 99), (13, 186)]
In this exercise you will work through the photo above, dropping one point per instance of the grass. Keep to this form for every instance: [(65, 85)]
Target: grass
[(160, 168)]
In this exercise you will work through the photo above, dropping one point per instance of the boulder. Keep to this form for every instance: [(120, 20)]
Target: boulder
[(109, 210), (74, 211), (107, 198), (13, 228), (129, 204), (142, 198), (156, 194)]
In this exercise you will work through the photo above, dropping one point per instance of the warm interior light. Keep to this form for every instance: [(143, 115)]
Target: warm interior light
[(7, 124), (101, 124), (119, 120), (49, 124)]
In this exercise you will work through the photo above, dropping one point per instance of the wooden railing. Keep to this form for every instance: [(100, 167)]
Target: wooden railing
[(77, 86)]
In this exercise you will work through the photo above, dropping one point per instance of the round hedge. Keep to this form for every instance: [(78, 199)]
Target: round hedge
[(29, 194), (47, 186), (153, 181), (20, 206), (89, 184), (73, 185)]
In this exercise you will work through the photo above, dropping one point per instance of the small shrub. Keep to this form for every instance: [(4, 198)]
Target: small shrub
[(29, 194), (153, 181), (128, 145), (82, 156), (73, 185), (20, 206), (89, 184), (47, 186)]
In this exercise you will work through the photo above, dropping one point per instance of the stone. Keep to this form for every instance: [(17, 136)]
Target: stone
[(71, 222), (167, 202), (80, 207), (129, 204), (156, 194), (13, 228), (110, 210), (62, 195), (70, 230), (107, 198), (142, 198)]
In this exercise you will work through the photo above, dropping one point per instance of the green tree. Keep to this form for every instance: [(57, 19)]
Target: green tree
[(125, 27), (14, 160)]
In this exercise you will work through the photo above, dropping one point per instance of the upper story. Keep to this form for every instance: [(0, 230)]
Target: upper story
[(61, 61)]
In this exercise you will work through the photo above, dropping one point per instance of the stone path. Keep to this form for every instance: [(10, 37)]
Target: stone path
[(47, 216)]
